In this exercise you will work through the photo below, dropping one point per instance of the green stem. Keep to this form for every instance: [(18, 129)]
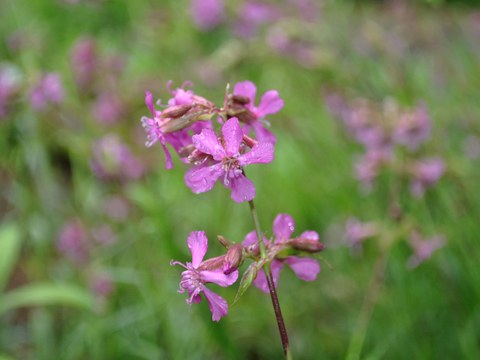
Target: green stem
[(271, 284)]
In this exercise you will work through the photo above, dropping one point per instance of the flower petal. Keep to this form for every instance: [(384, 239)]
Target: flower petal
[(208, 143), (262, 153), (250, 238), (202, 178), (242, 189), (198, 244), (310, 236), (305, 268), (218, 277), (168, 157), (283, 227), (270, 103), (263, 134), (149, 102), (233, 135), (248, 89), (261, 281), (217, 304)]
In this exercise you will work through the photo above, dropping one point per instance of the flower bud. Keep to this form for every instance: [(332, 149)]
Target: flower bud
[(225, 243), (233, 259), (213, 263), (175, 111), (307, 245), (249, 141), (240, 99)]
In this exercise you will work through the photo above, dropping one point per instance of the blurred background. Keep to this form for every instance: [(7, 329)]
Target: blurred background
[(90, 218)]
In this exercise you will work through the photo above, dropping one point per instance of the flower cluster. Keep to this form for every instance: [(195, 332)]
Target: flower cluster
[(216, 150), (392, 139), (223, 270)]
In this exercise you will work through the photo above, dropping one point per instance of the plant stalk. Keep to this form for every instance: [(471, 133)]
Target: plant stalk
[(271, 285)]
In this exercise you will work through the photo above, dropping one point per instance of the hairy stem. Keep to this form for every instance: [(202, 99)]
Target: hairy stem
[(271, 285)]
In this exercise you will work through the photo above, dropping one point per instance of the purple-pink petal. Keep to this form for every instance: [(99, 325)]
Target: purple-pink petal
[(270, 103), (305, 268), (261, 281), (207, 142), (246, 88), (203, 178), (217, 304), (218, 277), (250, 238), (233, 136), (149, 102), (283, 227), (198, 244), (310, 235), (242, 189), (262, 133), (262, 153), (168, 157)]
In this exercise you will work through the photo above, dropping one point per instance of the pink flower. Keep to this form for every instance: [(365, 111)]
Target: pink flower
[(49, 89), (356, 231), (108, 108), (198, 273), (423, 248), (207, 14), (225, 161), (305, 268), (73, 241), (426, 172), (413, 128), (270, 103), (84, 62)]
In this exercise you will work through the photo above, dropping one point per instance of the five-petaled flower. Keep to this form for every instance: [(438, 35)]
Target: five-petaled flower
[(305, 268), (226, 161), (198, 273), (270, 103)]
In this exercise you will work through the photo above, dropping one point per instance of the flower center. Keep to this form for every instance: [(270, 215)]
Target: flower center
[(232, 169)]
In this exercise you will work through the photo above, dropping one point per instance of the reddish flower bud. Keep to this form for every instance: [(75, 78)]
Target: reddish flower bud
[(240, 99), (233, 259), (175, 111), (224, 241), (307, 245), (213, 263)]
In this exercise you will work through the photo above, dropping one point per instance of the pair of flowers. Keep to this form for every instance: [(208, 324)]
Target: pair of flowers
[(198, 273), (186, 124)]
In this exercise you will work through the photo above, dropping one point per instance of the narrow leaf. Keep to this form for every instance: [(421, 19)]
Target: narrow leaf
[(46, 294), (9, 250), (249, 275)]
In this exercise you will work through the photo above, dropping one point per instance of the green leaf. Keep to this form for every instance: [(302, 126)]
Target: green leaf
[(46, 294), (9, 250), (249, 275)]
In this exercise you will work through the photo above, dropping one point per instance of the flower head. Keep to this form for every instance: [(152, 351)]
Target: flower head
[(198, 273), (423, 248), (49, 89), (252, 115), (426, 172), (305, 268), (207, 14), (413, 128), (226, 161)]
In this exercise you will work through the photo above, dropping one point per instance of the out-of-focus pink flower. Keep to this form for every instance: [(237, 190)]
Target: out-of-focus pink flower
[(423, 248), (72, 241), (104, 235), (413, 128), (207, 14), (368, 167), (101, 285), (198, 273), (84, 62), (426, 173), (305, 268), (226, 162), (107, 109), (113, 159), (49, 89), (356, 231), (252, 14), (270, 103)]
